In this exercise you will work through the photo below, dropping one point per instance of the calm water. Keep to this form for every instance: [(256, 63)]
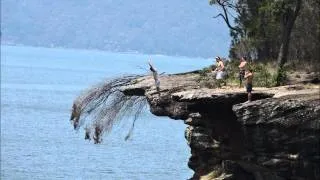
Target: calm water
[(38, 86)]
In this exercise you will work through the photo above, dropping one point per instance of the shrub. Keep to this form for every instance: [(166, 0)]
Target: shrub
[(281, 77), (262, 75), (203, 72)]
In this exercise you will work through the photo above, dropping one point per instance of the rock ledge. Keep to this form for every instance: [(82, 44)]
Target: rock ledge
[(276, 136)]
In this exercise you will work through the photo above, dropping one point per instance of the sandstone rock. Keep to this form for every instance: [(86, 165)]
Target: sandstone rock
[(276, 136)]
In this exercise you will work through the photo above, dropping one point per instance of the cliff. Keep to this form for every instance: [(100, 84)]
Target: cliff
[(276, 136)]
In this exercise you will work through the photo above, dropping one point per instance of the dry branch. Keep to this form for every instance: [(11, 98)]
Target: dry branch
[(103, 105)]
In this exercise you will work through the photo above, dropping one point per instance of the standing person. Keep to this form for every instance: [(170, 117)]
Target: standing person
[(249, 76), (219, 70), (242, 66), (155, 76)]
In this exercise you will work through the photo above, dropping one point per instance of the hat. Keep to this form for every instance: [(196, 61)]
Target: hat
[(217, 57)]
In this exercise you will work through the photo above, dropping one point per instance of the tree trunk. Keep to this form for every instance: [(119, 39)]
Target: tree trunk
[(283, 52), (289, 18)]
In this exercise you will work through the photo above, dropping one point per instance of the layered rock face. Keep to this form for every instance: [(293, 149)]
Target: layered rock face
[(264, 139), (276, 136)]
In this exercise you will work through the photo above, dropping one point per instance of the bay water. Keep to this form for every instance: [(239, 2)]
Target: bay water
[(38, 86)]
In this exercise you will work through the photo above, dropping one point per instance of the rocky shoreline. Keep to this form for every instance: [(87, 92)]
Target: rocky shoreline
[(276, 136)]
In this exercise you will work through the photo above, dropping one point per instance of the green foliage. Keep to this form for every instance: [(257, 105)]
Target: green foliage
[(206, 78), (211, 2), (204, 72), (262, 75), (282, 7), (264, 23), (233, 71), (281, 77), (305, 38)]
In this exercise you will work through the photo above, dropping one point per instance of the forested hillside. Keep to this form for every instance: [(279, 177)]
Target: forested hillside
[(180, 27)]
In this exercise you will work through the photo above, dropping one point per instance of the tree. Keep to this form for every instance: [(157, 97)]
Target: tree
[(287, 11), (253, 30), (228, 6), (261, 27), (305, 36)]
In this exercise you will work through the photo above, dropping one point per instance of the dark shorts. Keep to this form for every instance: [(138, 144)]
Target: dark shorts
[(249, 87), (241, 75)]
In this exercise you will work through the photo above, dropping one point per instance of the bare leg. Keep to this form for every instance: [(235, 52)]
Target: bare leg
[(249, 96), (158, 90), (240, 79)]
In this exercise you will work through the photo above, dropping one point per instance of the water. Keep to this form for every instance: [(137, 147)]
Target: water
[(38, 86)]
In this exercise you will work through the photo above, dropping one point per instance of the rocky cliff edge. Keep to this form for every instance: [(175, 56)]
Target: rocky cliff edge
[(276, 136)]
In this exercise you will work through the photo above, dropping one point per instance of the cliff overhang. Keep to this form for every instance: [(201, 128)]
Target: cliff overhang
[(276, 136)]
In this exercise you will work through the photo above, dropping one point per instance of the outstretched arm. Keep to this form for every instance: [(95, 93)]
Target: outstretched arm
[(151, 67)]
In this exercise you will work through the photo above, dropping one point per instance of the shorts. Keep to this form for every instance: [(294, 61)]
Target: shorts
[(249, 88), (220, 75)]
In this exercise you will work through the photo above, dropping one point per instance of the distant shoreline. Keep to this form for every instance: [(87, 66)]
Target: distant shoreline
[(100, 51)]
